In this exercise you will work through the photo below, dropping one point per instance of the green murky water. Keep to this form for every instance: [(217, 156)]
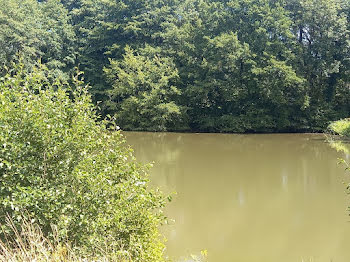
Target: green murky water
[(250, 198)]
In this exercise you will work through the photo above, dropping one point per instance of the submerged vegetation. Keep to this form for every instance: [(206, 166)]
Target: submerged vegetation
[(200, 65)]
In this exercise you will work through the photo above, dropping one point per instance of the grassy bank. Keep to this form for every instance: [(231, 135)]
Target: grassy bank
[(341, 127)]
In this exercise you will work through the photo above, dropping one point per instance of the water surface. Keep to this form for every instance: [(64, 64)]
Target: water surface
[(250, 198)]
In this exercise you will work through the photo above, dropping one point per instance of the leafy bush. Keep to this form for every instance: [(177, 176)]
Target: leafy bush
[(65, 169), (341, 127)]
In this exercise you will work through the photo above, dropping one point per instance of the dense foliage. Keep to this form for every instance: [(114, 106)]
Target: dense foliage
[(32, 31), (203, 65), (143, 92), (61, 167)]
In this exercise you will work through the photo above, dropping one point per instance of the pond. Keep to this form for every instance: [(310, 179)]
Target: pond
[(250, 198)]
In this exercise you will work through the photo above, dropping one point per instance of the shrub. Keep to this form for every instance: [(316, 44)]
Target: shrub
[(65, 169)]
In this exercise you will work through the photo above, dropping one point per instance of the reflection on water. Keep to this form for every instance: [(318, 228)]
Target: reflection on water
[(250, 198)]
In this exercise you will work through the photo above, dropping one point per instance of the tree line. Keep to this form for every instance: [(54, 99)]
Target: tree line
[(197, 65)]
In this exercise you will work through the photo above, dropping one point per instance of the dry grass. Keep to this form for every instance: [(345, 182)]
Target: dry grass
[(30, 245)]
